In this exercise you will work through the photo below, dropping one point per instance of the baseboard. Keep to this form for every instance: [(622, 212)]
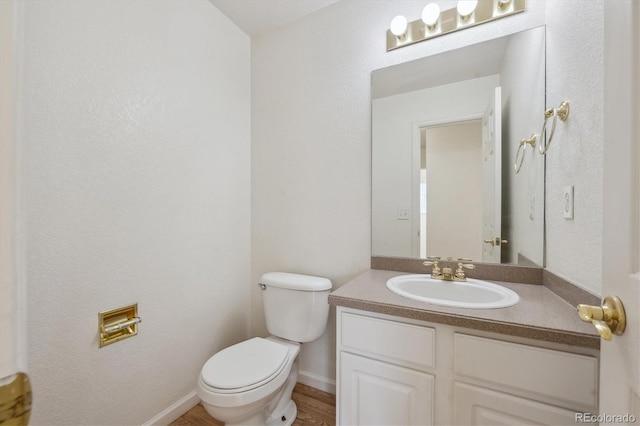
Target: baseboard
[(175, 410), (318, 382), (184, 404)]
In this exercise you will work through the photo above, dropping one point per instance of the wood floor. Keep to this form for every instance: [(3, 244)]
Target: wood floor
[(314, 408)]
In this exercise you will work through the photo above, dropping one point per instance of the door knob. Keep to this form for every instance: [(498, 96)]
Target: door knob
[(496, 241), (608, 319)]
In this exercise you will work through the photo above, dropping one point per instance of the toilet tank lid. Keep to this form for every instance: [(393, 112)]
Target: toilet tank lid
[(295, 281)]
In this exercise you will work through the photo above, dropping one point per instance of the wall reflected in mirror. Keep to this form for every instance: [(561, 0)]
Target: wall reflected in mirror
[(445, 130)]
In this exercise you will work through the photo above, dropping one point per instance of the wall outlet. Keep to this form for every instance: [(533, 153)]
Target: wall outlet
[(568, 202), (532, 208)]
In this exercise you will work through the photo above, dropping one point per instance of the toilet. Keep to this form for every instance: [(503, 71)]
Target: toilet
[(250, 383)]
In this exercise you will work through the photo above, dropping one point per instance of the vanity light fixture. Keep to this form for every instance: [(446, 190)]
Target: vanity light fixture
[(434, 22)]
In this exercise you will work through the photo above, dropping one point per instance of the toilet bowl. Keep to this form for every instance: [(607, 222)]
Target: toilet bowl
[(250, 383), (238, 387)]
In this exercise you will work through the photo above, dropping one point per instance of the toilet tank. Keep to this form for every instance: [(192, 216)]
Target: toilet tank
[(296, 307)]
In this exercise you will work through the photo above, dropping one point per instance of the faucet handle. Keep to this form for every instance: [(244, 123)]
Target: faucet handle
[(435, 272), (429, 263), (432, 260), (460, 276)]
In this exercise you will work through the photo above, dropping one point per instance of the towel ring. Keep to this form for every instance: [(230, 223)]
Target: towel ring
[(522, 148), (544, 143), (561, 112)]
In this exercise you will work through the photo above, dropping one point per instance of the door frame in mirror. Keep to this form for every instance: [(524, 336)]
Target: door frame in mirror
[(416, 166)]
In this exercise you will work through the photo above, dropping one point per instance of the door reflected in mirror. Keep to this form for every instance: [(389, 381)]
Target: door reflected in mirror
[(445, 130), (451, 163)]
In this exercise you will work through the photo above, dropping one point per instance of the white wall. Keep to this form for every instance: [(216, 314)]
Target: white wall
[(575, 73), (12, 355), (522, 75), (135, 130), (311, 141)]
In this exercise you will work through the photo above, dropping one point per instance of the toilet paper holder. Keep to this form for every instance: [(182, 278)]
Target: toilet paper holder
[(118, 324)]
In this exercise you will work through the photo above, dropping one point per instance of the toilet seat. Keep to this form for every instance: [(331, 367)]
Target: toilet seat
[(244, 397), (244, 366)]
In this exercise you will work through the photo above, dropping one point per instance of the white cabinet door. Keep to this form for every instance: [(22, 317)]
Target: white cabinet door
[(475, 405), (378, 393)]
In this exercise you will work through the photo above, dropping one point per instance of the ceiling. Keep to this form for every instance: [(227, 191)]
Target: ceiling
[(258, 16)]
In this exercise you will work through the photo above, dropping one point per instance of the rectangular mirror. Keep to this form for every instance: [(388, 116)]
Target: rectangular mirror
[(445, 132)]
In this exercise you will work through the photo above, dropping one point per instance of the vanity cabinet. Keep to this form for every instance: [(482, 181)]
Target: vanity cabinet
[(381, 393), (498, 382), (384, 372), (397, 371)]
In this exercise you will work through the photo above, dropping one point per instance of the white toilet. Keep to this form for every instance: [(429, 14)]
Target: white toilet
[(250, 383)]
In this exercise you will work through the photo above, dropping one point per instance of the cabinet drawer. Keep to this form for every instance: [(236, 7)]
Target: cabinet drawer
[(404, 344), (562, 376)]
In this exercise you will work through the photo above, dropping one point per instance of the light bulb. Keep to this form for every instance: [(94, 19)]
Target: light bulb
[(503, 4), (398, 26), (430, 15), (466, 8)]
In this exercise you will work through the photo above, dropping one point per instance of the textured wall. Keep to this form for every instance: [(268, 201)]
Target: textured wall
[(575, 73), (311, 141), (10, 353), (522, 78), (135, 126)]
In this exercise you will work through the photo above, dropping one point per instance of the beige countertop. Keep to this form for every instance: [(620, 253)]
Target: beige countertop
[(540, 314)]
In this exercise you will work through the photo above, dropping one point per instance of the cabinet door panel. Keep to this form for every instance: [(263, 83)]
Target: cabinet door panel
[(377, 393), (475, 405)]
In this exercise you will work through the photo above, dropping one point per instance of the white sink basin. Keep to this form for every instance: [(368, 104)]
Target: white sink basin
[(476, 294)]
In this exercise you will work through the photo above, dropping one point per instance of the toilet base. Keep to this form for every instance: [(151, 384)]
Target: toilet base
[(281, 411), (287, 417)]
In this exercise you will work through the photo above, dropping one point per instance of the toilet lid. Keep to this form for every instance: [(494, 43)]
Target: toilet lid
[(244, 364)]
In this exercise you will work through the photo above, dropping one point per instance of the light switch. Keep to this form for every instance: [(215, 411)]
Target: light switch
[(403, 214), (568, 202)]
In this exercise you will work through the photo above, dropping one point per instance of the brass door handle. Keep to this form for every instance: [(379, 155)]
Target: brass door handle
[(496, 241), (608, 319)]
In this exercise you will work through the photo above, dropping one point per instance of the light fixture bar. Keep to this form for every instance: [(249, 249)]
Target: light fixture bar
[(485, 11)]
